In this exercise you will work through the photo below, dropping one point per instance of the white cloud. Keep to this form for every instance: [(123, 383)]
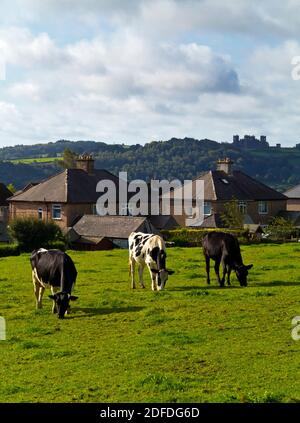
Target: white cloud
[(143, 69)]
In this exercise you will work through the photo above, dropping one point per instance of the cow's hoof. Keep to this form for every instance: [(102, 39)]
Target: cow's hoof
[(143, 286)]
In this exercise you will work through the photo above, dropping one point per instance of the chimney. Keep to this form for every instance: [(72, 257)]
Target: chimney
[(86, 163), (225, 165)]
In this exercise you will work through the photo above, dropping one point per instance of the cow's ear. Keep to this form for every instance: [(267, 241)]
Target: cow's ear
[(249, 266), (52, 297), (73, 298), (170, 271)]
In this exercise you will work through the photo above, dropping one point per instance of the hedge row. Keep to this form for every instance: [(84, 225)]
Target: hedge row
[(9, 250), (187, 237)]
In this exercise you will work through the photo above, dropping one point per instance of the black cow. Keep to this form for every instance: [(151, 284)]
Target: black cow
[(224, 249), (56, 269)]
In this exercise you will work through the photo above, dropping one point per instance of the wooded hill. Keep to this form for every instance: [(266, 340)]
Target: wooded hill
[(177, 158)]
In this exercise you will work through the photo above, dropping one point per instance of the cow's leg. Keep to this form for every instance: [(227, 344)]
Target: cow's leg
[(153, 282), (36, 289), (153, 278), (132, 270), (217, 270), (40, 297), (228, 275), (141, 270), (207, 262), (54, 289), (224, 274)]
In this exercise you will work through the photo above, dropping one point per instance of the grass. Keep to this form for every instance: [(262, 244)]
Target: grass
[(189, 343), (35, 160)]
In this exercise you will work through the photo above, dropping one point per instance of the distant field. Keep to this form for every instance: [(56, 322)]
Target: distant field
[(191, 342), (35, 160)]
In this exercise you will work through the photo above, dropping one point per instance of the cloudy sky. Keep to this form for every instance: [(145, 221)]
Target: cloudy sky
[(135, 71)]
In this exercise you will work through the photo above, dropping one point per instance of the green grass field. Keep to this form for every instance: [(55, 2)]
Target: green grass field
[(188, 343), (35, 160)]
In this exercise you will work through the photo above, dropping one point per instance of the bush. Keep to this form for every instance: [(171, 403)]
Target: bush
[(281, 229), (186, 237), (9, 250), (32, 234)]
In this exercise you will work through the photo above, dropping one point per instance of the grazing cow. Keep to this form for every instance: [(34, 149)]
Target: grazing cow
[(56, 269), (224, 249), (150, 250)]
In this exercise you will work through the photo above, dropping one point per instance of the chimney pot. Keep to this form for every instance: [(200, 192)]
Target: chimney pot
[(225, 165), (86, 163)]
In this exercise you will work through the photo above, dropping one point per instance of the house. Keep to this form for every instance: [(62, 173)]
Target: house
[(105, 232), (64, 197), (293, 199), (5, 193), (255, 231), (256, 201)]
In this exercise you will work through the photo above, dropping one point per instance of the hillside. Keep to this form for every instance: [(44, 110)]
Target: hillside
[(176, 158)]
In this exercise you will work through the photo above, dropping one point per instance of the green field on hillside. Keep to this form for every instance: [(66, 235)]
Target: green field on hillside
[(35, 160), (189, 343)]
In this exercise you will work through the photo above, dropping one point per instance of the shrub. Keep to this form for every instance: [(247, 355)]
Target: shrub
[(9, 250), (281, 229), (33, 233), (187, 237)]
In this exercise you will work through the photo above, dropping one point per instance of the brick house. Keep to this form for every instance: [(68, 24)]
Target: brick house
[(257, 202), (5, 193), (293, 196), (64, 197)]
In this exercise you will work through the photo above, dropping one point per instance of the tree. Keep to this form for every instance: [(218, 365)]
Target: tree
[(232, 217), (281, 228), (33, 233), (12, 188), (68, 159)]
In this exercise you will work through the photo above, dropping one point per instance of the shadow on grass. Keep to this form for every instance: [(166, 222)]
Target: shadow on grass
[(81, 312), (203, 287), (274, 283)]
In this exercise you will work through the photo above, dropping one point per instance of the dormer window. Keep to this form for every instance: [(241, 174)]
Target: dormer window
[(225, 181)]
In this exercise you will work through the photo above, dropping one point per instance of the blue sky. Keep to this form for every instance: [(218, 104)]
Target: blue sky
[(135, 71)]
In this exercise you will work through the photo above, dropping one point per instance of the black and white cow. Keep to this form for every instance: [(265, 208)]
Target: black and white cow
[(54, 269), (149, 250), (224, 249)]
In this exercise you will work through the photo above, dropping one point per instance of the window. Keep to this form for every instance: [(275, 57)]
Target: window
[(40, 213), (242, 206), (263, 207), (207, 208), (225, 181), (56, 211)]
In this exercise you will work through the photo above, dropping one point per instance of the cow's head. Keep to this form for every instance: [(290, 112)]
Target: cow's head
[(242, 273), (62, 301), (162, 277)]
